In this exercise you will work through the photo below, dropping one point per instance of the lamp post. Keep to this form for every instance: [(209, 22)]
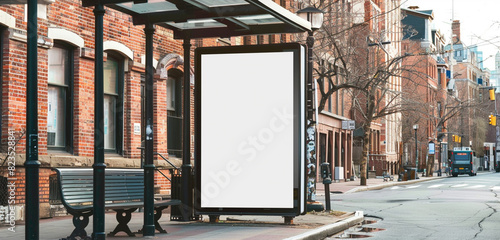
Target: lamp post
[(415, 127), (315, 17)]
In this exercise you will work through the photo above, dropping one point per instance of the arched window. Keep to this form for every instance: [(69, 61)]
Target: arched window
[(174, 112), (113, 103), (60, 98)]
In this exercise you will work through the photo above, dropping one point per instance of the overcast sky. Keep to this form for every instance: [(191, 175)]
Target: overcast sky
[(479, 19)]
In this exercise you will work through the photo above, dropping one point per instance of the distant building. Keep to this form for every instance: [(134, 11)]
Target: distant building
[(428, 81), (468, 79)]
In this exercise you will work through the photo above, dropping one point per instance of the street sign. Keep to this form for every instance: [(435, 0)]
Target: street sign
[(432, 149), (348, 125)]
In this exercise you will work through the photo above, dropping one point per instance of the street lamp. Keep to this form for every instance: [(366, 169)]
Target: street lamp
[(415, 127), (312, 15), (315, 17)]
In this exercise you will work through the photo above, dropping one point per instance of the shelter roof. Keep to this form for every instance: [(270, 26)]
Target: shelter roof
[(211, 18)]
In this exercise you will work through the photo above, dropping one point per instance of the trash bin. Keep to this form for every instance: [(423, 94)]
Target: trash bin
[(409, 174)]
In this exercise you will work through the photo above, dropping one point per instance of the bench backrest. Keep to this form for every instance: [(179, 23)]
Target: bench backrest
[(121, 185)]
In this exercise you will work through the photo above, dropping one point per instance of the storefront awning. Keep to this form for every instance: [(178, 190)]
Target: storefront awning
[(211, 18)]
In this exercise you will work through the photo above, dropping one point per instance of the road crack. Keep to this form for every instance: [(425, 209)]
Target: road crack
[(480, 223)]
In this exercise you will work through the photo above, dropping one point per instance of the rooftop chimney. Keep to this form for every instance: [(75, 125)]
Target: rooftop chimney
[(455, 28), (413, 7)]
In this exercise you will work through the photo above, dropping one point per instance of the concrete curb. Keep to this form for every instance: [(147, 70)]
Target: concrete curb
[(390, 184), (331, 229)]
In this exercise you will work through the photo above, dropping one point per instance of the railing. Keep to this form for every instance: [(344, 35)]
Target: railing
[(171, 164)]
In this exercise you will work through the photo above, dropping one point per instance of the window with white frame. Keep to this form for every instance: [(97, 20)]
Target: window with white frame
[(59, 100), (113, 106)]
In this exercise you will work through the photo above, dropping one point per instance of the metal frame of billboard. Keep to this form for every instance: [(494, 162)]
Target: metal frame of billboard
[(248, 190)]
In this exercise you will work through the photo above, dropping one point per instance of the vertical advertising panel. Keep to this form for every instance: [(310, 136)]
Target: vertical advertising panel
[(249, 124)]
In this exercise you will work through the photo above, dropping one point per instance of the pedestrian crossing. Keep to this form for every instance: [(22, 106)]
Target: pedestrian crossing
[(454, 186)]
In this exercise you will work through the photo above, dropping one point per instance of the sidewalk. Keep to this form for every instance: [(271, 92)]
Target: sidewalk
[(309, 226), (343, 186)]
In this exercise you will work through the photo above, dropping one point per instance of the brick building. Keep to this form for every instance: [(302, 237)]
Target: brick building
[(426, 83), (383, 19), (66, 91)]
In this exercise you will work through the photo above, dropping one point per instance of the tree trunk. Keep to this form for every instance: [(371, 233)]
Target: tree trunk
[(430, 166), (363, 165)]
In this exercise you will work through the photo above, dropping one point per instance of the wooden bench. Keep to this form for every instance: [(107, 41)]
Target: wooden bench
[(124, 193)]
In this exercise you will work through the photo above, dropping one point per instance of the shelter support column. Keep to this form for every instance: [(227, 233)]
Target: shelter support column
[(187, 190), (32, 164), (149, 167), (99, 165)]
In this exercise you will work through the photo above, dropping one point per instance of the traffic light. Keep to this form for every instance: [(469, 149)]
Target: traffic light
[(492, 94), (453, 138), (493, 120)]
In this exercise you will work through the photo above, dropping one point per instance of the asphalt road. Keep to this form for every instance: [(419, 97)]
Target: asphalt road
[(461, 207)]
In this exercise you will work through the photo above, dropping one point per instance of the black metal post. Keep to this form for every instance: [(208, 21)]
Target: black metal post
[(149, 167), (99, 165), (327, 197), (416, 154), (32, 164), (311, 124), (439, 160), (187, 191)]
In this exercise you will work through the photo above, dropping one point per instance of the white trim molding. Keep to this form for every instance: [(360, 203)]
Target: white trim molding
[(67, 36), (120, 47), (7, 20)]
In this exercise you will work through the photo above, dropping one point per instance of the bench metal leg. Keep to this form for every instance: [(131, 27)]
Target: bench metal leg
[(158, 213), (157, 216), (80, 221), (123, 217)]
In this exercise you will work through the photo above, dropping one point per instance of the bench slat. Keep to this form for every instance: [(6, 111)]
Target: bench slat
[(123, 188)]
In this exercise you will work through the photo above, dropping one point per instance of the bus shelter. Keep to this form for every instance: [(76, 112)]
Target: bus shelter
[(188, 19)]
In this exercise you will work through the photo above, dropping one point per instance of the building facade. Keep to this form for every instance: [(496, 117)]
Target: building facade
[(66, 92)]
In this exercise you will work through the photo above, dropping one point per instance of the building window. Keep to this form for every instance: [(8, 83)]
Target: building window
[(330, 97), (439, 78), (113, 104), (174, 112), (59, 109), (171, 96)]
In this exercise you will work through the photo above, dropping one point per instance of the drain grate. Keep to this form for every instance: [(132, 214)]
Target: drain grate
[(367, 229), (350, 235), (357, 232)]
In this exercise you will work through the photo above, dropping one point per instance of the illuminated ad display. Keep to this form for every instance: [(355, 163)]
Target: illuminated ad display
[(249, 130)]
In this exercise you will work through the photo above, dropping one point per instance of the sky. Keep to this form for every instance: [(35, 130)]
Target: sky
[(479, 21)]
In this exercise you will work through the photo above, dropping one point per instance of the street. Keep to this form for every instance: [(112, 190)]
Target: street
[(461, 207)]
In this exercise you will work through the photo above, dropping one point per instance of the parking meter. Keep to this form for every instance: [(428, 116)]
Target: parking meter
[(326, 174)]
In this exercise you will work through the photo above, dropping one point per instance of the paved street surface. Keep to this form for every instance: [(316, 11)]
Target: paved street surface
[(461, 207), (244, 227), (230, 227)]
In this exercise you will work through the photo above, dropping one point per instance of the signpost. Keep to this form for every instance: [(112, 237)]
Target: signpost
[(348, 125)]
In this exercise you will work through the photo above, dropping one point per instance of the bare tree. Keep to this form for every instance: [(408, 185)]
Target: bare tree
[(351, 55)]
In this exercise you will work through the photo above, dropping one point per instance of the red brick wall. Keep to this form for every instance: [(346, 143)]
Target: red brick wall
[(19, 180), (162, 182), (69, 15)]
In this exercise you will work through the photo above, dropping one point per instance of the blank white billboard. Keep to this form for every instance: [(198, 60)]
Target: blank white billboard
[(249, 128)]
